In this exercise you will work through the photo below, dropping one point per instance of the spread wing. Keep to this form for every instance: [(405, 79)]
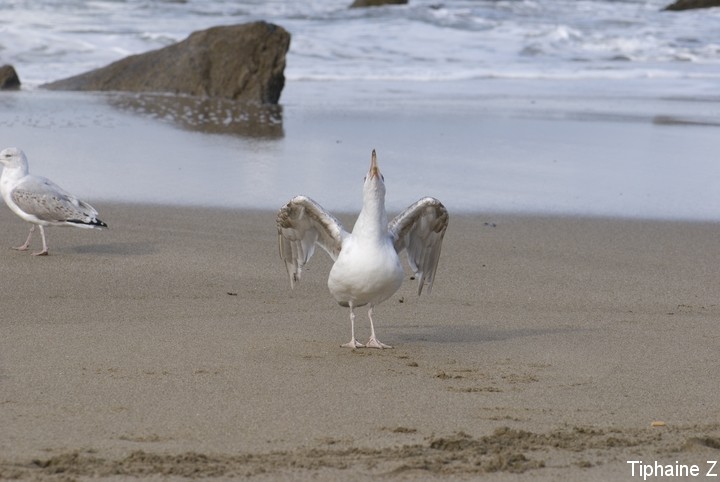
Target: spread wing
[(42, 198), (302, 223), (420, 230)]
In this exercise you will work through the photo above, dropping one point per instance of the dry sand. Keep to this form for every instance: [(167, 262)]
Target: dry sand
[(171, 346)]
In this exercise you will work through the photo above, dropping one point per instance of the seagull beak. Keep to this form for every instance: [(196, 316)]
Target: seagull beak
[(374, 170)]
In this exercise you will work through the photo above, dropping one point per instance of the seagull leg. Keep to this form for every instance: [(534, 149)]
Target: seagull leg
[(353, 343), (374, 342), (44, 251), (25, 246)]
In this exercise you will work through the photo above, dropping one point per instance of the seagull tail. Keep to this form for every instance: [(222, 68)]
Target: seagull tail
[(88, 223)]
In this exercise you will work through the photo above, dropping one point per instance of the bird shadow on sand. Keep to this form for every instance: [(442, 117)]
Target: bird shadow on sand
[(112, 249), (470, 334)]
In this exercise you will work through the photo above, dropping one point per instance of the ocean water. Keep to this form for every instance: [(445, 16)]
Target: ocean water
[(425, 40), (602, 107)]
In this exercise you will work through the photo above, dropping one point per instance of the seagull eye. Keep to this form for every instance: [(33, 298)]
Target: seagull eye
[(364, 178), (383, 177)]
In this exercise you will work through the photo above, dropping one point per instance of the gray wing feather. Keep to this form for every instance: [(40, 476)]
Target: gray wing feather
[(420, 230), (302, 223), (49, 202)]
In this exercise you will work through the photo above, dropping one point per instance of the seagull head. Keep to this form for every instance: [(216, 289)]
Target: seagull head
[(374, 181), (12, 157)]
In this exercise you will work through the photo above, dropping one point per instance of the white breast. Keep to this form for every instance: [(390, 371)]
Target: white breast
[(365, 272)]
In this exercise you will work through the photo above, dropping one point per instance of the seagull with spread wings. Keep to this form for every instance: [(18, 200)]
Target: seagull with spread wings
[(367, 268), (40, 201)]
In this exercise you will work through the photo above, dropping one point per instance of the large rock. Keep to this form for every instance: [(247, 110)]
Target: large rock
[(376, 3), (9, 78), (690, 4), (241, 62)]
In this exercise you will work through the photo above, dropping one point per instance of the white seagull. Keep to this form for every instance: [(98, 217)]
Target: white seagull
[(39, 200), (367, 268)]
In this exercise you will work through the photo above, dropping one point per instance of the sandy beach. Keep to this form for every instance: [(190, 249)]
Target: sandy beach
[(171, 346), (572, 330)]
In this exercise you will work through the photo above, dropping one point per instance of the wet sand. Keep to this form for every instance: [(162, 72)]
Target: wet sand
[(171, 346), (475, 146)]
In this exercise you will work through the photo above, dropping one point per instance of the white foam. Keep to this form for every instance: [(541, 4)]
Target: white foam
[(455, 39)]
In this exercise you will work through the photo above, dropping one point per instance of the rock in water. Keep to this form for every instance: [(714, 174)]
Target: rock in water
[(9, 78), (376, 3), (241, 62), (691, 4)]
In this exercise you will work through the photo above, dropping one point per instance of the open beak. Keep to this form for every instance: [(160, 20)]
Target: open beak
[(374, 170)]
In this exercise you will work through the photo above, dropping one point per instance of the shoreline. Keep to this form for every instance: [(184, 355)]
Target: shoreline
[(517, 152), (171, 346)]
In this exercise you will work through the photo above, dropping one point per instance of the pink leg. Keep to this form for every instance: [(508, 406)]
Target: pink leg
[(25, 246), (44, 251), (353, 343), (374, 342)]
